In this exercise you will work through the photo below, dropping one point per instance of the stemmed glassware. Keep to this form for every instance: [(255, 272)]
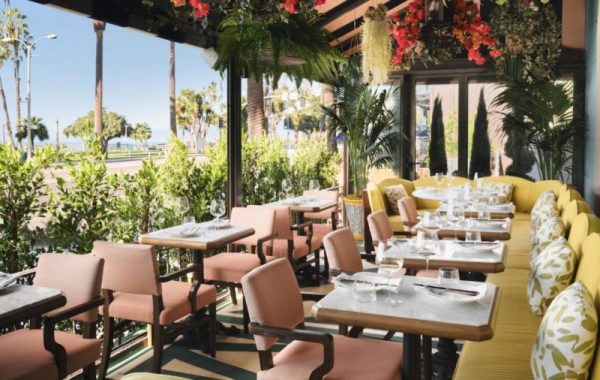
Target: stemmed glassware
[(427, 244), (217, 209), (286, 185), (389, 263), (314, 185), (180, 206)]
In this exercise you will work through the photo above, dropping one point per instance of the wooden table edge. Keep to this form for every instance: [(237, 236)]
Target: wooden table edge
[(184, 243), (474, 333), (41, 307)]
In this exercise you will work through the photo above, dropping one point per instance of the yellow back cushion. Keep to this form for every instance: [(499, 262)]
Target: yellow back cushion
[(539, 187), (570, 212), (583, 225), (521, 190), (376, 198)]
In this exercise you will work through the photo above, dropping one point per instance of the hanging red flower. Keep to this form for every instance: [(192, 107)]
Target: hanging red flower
[(320, 2), (290, 6), (406, 32), (473, 32), (202, 10)]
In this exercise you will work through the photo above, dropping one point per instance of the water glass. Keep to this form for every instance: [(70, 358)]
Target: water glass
[(447, 275), (364, 291), (313, 184), (474, 236), (483, 213), (426, 218)]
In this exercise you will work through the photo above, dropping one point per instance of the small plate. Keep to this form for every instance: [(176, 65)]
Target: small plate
[(186, 232), (454, 297), (466, 246)]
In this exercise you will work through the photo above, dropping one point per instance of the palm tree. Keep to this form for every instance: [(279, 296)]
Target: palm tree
[(4, 54), (15, 28), (38, 130), (172, 110), (141, 132), (256, 106), (99, 27), (196, 112)]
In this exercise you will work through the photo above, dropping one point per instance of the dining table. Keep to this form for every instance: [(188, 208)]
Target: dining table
[(472, 210), (425, 309), (483, 257), (19, 302), (490, 230), (201, 238)]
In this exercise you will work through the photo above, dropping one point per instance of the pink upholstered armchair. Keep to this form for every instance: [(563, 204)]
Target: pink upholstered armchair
[(408, 212), (37, 353), (276, 311), (135, 291), (227, 268)]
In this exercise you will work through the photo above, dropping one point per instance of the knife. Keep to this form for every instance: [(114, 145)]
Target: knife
[(453, 290)]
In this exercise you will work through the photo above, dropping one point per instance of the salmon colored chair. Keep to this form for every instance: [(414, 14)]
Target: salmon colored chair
[(408, 212), (276, 311), (342, 252), (23, 355), (229, 267), (135, 291), (292, 245)]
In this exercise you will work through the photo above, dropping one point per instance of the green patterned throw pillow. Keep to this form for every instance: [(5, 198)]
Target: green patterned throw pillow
[(566, 339), (551, 273), (551, 230), (504, 190), (544, 209)]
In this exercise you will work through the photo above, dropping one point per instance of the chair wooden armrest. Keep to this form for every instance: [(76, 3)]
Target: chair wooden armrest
[(26, 275), (307, 228), (50, 344), (403, 233), (310, 296), (181, 272), (259, 246), (324, 339)]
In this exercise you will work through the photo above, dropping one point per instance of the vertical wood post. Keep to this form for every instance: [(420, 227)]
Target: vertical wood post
[(234, 136)]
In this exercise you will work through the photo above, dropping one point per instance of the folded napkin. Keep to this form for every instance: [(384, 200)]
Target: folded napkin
[(372, 278)]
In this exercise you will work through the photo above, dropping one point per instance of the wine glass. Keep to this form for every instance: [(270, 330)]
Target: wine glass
[(180, 205), (431, 245), (217, 209), (314, 185), (286, 185), (388, 264)]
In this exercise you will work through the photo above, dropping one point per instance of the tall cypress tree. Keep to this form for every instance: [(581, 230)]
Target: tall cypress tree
[(437, 144), (480, 148)]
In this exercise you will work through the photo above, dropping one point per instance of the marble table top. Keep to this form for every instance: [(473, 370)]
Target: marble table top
[(419, 313), (21, 302)]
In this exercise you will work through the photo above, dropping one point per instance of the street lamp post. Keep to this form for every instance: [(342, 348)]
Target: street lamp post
[(28, 49)]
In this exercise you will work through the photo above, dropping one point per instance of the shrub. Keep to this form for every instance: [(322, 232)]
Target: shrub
[(86, 209), (22, 197), (312, 160)]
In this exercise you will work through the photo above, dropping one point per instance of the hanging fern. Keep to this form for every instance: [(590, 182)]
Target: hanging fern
[(263, 45)]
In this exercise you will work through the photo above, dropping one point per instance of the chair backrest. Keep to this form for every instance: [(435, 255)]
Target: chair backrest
[(129, 268), (273, 298), (78, 276), (325, 195), (262, 219), (380, 227), (583, 225), (342, 251), (408, 210), (283, 222)]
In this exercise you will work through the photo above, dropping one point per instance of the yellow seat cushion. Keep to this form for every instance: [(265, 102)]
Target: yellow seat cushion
[(396, 222)]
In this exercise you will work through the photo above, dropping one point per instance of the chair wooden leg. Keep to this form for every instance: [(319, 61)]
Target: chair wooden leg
[(246, 316), (318, 266), (212, 329), (109, 326), (343, 330), (233, 294), (325, 265), (89, 372), (157, 343)]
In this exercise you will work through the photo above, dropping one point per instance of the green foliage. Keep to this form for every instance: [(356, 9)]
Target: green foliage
[(113, 126), (312, 160), (174, 174), (196, 112), (262, 43), (529, 33), (22, 191), (84, 210), (539, 116), (480, 150), (438, 162)]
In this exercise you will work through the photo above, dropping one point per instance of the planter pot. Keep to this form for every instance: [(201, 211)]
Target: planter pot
[(354, 213)]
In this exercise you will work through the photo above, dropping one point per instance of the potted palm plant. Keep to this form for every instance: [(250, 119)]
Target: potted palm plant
[(372, 134)]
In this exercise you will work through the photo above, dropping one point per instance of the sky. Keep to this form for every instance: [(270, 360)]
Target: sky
[(136, 67)]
